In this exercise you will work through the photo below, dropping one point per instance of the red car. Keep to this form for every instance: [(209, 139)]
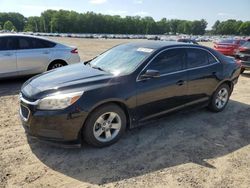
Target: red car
[(229, 46)]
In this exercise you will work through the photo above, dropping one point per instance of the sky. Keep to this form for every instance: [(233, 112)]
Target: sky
[(210, 10)]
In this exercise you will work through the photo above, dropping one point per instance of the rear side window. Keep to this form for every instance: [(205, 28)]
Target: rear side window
[(198, 58), (33, 43), (169, 61), (7, 43), (24, 43), (39, 43)]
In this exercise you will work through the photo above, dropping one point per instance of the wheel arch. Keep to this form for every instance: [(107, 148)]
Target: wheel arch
[(119, 103), (228, 82)]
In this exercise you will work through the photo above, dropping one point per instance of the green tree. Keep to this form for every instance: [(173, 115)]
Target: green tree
[(64, 21), (174, 25), (198, 27), (8, 25), (17, 19), (245, 28), (33, 24), (215, 27)]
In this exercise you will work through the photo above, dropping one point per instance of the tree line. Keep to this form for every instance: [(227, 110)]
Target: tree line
[(62, 21), (231, 27)]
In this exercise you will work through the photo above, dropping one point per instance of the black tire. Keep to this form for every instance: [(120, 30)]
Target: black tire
[(242, 70), (213, 106), (89, 126), (56, 64)]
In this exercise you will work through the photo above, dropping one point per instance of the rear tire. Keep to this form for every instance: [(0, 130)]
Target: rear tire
[(105, 126), (56, 64), (242, 70), (220, 98)]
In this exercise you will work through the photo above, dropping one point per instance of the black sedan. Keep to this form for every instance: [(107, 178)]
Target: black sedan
[(243, 56), (123, 88)]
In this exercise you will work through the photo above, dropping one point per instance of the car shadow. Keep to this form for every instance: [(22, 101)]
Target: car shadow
[(185, 137), (11, 86), (246, 74)]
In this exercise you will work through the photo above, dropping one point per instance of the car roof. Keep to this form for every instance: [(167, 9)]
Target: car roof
[(157, 44), (21, 35)]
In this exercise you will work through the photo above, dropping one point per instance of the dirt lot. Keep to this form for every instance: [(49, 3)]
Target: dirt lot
[(188, 149)]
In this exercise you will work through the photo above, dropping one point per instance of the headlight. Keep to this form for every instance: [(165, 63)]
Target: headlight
[(58, 101)]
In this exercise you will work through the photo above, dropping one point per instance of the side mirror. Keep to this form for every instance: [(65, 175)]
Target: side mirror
[(151, 74)]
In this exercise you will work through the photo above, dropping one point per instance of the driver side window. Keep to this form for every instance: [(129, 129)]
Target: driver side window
[(169, 61)]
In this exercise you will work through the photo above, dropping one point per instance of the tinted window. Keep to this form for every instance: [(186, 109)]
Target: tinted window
[(246, 44), (39, 43), (7, 43), (169, 61), (228, 41), (211, 58), (24, 43), (198, 57), (242, 42)]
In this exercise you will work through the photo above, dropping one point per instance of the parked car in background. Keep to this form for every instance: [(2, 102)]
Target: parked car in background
[(123, 88), (243, 56), (27, 55), (190, 41), (228, 46)]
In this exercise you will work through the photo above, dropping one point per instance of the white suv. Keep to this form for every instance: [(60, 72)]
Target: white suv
[(26, 55)]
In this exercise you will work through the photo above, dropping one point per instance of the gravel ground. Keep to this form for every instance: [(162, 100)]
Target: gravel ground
[(187, 149)]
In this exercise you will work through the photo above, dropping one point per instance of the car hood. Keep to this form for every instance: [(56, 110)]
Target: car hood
[(69, 77)]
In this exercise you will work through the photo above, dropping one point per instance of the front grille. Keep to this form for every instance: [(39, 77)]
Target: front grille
[(25, 112)]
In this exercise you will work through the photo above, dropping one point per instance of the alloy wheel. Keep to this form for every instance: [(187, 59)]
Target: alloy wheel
[(57, 65), (222, 98), (107, 126)]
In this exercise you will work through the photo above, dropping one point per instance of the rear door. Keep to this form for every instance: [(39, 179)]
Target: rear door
[(8, 64), (203, 70), (159, 95), (33, 55)]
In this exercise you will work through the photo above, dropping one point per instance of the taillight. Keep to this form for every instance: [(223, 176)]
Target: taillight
[(238, 61), (242, 49), (74, 51), (230, 46)]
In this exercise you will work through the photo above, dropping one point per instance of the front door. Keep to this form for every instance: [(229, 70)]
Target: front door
[(158, 95)]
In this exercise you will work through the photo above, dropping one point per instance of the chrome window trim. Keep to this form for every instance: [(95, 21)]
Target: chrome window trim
[(28, 102), (185, 69)]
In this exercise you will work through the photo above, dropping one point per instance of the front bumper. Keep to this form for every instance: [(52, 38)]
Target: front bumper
[(58, 126)]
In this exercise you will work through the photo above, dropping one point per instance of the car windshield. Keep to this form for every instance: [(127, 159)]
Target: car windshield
[(246, 44), (122, 59), (228, 41)]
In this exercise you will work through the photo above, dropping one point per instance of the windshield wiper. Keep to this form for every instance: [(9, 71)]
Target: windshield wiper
[(99, 68), (87, 62)]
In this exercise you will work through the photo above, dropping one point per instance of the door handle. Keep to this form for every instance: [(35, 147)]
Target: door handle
[(46, 52), (8, 54), (180, 82)]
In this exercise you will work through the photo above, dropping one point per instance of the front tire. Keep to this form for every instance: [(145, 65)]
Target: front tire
[(105, 126), (220, 98)]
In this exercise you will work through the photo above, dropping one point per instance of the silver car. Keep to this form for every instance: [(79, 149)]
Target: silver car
[(27, 55)]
